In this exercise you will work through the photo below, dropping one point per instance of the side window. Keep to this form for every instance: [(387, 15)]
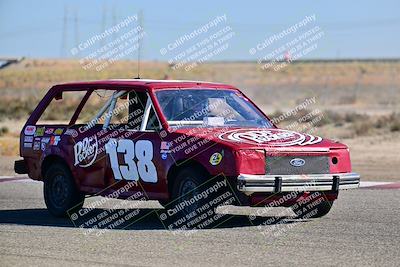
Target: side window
[(128, 109), (121, 111), (137, 104), (98, 102), (153, 123), (137, 109), (95, 102), (60, 111)]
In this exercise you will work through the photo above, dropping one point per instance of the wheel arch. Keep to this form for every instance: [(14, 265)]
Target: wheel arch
[(49, 160), (179, 165)]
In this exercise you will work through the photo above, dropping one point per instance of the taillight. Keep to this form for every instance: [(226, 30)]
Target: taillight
[(340, 160)]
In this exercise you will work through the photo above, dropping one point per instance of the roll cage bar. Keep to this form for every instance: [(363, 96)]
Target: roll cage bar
[(109, 106)]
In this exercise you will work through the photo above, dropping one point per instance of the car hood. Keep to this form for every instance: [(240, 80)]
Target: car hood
[(266, 138)]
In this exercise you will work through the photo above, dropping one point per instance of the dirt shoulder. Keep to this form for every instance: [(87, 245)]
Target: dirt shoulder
[(376, 158)]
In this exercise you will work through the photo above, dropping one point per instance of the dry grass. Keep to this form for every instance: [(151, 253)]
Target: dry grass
[(356, 98), (9, 146)]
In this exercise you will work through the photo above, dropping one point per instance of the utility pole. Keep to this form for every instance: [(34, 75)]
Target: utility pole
[(64, 32), (114, 22), (103, 24), (141, 30), (76, 28)]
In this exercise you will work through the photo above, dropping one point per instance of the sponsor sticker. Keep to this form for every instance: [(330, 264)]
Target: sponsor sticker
[(49, 130), (86, 150), (270, 137), (43, 146), (165, 147), (28, 139), (29, 130), (45, 140), (215, 158), (54, 140), (40, 131), (27, 145), (36, 145), (71, 132), (58, 131)]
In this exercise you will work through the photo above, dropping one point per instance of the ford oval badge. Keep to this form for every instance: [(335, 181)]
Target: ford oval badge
[(297, 162)]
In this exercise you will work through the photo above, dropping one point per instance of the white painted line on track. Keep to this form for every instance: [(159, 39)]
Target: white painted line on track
[(370, 183), (363, 184)]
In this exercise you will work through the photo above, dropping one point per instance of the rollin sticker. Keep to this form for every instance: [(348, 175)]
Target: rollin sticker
[(86, 150), (270, 137)]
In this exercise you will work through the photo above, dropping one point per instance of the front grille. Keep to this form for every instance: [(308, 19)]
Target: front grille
[(312, 165)]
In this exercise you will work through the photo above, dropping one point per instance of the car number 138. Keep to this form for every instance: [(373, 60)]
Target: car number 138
[(143, 167)]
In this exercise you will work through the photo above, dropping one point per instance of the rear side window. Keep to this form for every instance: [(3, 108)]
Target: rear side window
[(128, 109), (60, 111), (95, 102)]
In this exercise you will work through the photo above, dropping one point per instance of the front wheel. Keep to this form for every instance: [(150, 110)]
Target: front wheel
[(60, 193), (186, 187)]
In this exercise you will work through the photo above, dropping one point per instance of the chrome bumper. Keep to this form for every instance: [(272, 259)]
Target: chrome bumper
[(250, 183)]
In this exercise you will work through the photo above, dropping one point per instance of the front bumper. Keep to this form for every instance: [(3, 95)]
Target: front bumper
[(249, 183)]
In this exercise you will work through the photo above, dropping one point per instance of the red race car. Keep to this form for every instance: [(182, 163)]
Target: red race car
[(167, 139)]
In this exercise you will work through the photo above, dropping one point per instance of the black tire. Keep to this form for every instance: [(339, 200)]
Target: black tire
[(318, 211), (60, 193), (195, 198), (186, 185)]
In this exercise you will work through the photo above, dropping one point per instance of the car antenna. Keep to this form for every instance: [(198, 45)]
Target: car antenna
[(140, 24)]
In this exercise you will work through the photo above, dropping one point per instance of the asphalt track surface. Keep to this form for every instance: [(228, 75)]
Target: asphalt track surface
[(362, 229)]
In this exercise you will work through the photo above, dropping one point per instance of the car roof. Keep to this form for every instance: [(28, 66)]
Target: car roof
[(144, 83)]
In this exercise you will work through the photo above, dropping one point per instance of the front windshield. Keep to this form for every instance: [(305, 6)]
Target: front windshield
[(209, 108)]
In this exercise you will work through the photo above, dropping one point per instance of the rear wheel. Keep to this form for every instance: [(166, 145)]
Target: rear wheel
[(60, 192)]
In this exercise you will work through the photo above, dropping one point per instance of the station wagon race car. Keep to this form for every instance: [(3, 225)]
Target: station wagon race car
[(190, 145)]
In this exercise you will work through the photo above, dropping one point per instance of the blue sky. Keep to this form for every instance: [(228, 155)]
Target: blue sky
[(352, 29)]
